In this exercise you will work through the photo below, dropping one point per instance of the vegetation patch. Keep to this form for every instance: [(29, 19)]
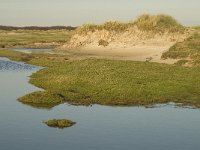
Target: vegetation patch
[(159, 23), (188, 49), (34, 38), (182, 62), (156, 23), (123, 83), (197, 28), (11, 54), (26, 57), (59, 123), (103, 43), (45, 99)]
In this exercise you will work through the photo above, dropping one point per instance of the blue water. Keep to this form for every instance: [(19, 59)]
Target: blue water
[(98, 127)]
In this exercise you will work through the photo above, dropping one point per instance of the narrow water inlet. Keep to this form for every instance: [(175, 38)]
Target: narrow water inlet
[(30, 50)]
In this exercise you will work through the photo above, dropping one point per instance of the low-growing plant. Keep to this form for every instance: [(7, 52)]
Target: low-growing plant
[(103, 43), (189, 48), (181, 62), (26, 57), (42, 99)]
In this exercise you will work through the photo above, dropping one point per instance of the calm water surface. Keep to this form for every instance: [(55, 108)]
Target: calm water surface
[(30, 50), (97, 128)]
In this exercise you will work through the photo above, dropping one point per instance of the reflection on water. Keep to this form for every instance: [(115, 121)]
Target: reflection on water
[(97, 128), (6, 65), (30, 50)]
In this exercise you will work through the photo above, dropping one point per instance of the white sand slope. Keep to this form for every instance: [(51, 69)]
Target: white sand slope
[(131, 45)]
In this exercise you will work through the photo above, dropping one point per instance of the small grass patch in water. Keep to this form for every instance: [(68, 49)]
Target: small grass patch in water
[(42, 99), (59, 123)]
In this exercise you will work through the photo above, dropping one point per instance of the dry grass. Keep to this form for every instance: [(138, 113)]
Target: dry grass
[(34, 38), (157, 23)]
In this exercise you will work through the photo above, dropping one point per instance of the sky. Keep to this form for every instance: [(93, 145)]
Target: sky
[(77, 12)]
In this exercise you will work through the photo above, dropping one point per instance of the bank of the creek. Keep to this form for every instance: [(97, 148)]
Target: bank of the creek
[(98, 127)]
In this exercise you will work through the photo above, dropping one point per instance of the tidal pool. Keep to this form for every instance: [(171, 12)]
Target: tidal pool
[(30, 50), (98, 127)]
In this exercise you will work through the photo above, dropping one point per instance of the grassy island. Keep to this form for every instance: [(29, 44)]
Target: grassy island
[(59, 123)]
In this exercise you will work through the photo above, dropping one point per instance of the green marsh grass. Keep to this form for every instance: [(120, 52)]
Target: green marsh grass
[(115, 83)]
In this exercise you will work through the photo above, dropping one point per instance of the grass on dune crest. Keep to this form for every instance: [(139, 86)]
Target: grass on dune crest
[(156, 23), (197, 28)]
